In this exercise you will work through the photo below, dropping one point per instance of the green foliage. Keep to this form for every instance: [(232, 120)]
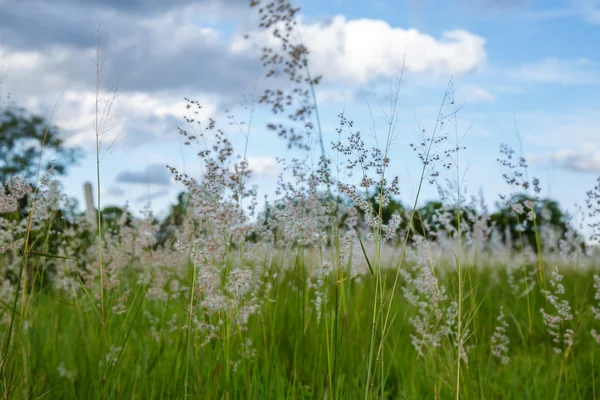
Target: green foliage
[(425, 222), (111, 218), (178, 211), (547, 211), (174, 220), (21, 138), (394, 206)]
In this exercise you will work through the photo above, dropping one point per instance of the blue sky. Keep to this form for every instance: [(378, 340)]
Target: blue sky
[(527, 65)]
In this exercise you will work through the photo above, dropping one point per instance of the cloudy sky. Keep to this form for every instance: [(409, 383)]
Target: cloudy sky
[(518, 65)]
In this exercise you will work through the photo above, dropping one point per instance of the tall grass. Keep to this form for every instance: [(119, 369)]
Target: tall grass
[(317, 294), (69, 362)]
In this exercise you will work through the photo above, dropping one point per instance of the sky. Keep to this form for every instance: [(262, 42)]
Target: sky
[(525, 73)]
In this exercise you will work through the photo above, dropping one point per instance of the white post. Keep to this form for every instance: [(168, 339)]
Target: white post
[(90, 211)]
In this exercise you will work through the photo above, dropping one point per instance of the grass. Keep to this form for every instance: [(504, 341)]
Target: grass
[(299, 302), (308, 298), (142, 355)]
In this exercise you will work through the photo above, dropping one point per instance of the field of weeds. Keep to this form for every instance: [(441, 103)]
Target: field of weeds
[(330, 290)]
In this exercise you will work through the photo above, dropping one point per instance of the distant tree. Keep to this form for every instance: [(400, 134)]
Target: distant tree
[(111, 215), (515, 219), (424, 220), (174, 219), (394, 206), (22, 136), (178, 210), (28, 143), (434, 215)]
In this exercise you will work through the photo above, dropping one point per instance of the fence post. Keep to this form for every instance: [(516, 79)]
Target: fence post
[(90, 210)]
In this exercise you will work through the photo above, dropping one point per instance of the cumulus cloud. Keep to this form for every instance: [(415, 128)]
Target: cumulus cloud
[(155, 174), (154, 58), (37, 79), (585, 160), (361, 50), (157, 53), (32, 23), (139, 117), (163, 52), (266, 167)]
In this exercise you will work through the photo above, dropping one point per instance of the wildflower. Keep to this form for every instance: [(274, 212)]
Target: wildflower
[(64, 373), (112, 356), (120, 308), (562, 312), (595, 310), (433, 320), (518, 208), (500, 339), (240, 282)]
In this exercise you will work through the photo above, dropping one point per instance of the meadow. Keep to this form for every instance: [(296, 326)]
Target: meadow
[(330, 290)]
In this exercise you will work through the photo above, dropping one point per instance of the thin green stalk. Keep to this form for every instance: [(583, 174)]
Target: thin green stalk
[(458, 267), (190, 313), (97, 131)]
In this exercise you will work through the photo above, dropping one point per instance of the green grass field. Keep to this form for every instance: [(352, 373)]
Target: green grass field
[(290, 348), (330, 289)]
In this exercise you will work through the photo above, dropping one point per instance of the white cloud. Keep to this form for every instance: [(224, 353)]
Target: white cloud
[(360, 50), (333, 95), (135, 116), (38, 80), (589, 10), (584, 160), (554, 70), (183, 35), (264, 167), (22, 61), (558, 130), (475, 94), (153, 61)]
